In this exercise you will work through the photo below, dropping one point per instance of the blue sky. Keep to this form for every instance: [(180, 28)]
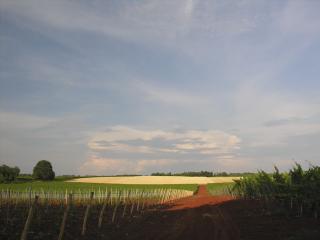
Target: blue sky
[(112, 87)]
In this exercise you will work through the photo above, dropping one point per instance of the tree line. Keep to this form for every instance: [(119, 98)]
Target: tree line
[(189, 174), (202, 174)]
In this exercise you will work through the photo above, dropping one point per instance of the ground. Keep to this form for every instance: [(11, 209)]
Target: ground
[(217, 217), (201, 216)]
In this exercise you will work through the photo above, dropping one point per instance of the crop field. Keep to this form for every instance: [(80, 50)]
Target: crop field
[(157, 180), (82, 186)]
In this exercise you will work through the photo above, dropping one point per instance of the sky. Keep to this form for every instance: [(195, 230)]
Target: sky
[(135, 87)]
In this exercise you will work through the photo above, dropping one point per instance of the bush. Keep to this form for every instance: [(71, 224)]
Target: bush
[(8, 174), (43, 171), (299, 189)]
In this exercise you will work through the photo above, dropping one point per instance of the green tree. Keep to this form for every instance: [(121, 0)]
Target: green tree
[(43, 171), (8, 174)]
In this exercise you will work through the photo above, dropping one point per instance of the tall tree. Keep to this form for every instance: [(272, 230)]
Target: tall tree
[(43, 170)]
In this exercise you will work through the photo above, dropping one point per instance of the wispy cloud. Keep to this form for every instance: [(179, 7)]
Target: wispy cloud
[(301, 18), (23, 121), (170, 96), (142, 21), (284, 121)]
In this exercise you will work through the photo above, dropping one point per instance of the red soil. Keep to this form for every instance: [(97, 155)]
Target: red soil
[(202, 198), (196, 217), (202, 218)]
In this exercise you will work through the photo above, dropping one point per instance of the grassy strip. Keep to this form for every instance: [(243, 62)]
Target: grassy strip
[(73, 186), (219, 188)]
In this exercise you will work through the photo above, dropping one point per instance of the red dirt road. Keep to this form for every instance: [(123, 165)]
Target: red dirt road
[(201, 198), (201, 218)]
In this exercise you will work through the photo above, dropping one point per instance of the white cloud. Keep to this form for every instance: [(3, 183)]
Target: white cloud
[(124, 149), (145, 165), (189, 8), (101, 165), (119, 139), (119, 147)]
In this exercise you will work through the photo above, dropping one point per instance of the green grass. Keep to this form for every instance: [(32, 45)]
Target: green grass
[(72, 186), (219, 188)]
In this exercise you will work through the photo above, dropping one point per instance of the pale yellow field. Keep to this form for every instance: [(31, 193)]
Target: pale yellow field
[(156, 180)]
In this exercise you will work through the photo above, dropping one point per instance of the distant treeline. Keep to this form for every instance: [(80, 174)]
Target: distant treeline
[(189, 174), (202, 174), (114, 175), (233, 174)]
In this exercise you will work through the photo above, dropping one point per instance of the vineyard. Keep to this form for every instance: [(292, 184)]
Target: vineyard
[(38, 213), (297, 191), (287, 203)]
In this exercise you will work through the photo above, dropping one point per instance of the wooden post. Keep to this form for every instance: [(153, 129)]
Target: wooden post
[(124, 209), (114, 212), (138, 204), (84, 225), (126, 203), (132, 207), (116, 207), (140, 198), (106, 201), (29, 219), (65, 215)]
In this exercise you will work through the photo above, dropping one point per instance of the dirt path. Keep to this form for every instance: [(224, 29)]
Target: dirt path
[(196, 217), (201, 198), (202, 218)]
